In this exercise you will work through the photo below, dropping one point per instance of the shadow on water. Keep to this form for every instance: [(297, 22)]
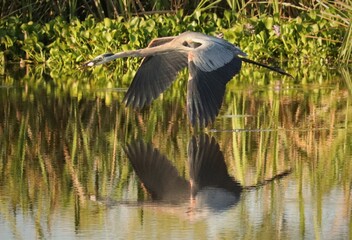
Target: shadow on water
[(61, 143), (210, 187)]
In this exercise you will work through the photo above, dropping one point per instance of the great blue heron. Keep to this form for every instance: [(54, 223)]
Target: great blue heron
[(212, 62)]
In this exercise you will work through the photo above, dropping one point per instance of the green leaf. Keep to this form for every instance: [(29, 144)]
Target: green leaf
[(269, 23), (107, 22)]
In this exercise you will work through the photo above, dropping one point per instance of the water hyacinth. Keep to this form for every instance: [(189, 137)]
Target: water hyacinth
[(273, 29)]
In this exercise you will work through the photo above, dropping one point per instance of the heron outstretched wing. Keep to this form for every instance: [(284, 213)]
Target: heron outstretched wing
[(207, 165), (156, 172), (212, 186), (211, 66), (160, 41), (155, 75)]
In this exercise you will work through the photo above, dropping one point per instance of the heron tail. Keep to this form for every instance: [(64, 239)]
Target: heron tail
[(275, 69)]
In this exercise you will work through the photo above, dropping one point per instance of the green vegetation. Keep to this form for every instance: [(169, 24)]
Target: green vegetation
[(62, 129), (75, 31)]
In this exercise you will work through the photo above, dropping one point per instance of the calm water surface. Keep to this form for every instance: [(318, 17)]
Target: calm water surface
[(276, 164)]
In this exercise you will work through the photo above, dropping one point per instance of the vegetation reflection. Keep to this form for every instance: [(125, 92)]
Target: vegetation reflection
[(57, 150)]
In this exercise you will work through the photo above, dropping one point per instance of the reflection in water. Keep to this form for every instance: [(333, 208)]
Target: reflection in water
[(210, 186), (58, 148)]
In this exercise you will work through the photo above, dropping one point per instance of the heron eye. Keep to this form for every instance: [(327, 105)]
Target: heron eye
[(185, 43), (191, 44)]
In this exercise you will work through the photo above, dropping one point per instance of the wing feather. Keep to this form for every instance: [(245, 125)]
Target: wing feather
[(156, 172), (154, 76), (206, 90), (160, 41), (207, 165), (214, 54)]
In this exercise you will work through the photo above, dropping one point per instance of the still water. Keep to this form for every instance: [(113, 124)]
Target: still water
[(276, 164)]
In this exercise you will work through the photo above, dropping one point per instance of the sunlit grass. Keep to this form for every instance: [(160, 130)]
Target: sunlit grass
[(59, 148)]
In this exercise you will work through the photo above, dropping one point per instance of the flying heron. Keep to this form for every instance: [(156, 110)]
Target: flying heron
[(212, 62)]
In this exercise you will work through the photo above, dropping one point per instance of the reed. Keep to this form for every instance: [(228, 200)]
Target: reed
[(34, 10)]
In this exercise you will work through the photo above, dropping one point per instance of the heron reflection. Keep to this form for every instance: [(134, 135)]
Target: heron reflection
[(210, 186)]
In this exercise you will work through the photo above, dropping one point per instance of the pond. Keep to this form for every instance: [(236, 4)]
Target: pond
[(276, 163)]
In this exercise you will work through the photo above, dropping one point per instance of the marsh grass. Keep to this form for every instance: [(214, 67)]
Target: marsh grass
[(340, 13), (34, 10)]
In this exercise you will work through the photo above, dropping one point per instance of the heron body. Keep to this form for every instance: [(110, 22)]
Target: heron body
[(212, 62)]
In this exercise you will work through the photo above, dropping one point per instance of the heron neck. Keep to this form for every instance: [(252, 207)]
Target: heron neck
[(131, 53), (139, 53), (154, 50)]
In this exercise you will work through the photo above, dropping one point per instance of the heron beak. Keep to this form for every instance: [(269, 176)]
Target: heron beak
[(89, 64), (97, 60)]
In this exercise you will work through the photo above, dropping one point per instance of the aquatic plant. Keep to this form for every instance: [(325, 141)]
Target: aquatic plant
[(63, 43), (268, 29)]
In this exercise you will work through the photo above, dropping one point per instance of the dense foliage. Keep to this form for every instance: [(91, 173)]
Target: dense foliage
[(311, 32), (307, 37)]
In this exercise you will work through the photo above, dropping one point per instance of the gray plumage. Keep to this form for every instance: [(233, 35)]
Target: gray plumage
[(212, 62)]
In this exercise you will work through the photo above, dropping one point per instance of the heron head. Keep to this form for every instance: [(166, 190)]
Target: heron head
[(191, 44), (101, 59)]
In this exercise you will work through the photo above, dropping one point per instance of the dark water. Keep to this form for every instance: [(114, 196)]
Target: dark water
[(276, 164)]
